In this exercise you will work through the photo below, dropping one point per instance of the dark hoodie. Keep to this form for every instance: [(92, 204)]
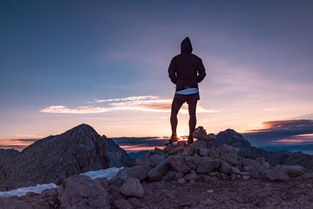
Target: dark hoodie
[(186, 70)]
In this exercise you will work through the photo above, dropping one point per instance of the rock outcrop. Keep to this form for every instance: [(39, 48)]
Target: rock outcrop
[(53, 158), (200, 175), (7, 154)]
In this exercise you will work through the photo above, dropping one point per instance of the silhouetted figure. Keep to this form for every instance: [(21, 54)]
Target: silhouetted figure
[(186, 70)]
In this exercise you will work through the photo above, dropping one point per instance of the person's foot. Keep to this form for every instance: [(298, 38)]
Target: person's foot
[(173, 138), (190, 140)]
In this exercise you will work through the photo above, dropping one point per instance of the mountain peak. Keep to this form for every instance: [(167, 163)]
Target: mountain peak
[(82, 130)]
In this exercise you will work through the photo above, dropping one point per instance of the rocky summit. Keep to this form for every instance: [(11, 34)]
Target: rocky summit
[(205, 174), (54, 158)]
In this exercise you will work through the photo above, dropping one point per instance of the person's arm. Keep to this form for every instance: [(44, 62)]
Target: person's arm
[(172, 72), (201, 72)]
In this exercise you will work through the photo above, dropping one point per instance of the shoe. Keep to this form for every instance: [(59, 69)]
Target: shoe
[(190, 140), (173, 138)]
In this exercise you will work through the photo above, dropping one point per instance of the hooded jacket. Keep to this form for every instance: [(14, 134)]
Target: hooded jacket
[(186, 70)]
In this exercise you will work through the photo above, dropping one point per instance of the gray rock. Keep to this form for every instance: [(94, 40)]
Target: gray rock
[(179, 165), (139, 171), (158, 171), (225, 167), (78, 150), (191, 176), (250, 164), (176, 149), (156, 159), (81, 192), (144, 160), (198, 145), (225, 148), (209, 166), (132, 188), (276, 174), (204, 151), (230, 158), (200, 133), (181, 181), (231, 137)]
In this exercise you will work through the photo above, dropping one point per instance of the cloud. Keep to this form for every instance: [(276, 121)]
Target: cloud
[(125, 99), (136, 103), (283, 131)]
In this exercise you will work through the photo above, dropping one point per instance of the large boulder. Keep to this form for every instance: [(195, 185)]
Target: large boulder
[(232, 138), (81, 192), (132, 188), (53, 158)]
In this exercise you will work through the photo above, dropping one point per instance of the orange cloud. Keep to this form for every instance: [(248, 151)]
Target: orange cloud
[(138, 103)]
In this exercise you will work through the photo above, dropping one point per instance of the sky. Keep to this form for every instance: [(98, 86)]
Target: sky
[(105, 63)]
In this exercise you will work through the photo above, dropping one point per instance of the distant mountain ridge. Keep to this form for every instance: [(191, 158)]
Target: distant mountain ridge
[(78, 150)]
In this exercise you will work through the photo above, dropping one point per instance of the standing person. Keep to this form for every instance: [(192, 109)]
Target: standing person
[(186, 70)]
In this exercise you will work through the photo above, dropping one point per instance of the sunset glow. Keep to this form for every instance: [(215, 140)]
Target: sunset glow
[(105, 64)]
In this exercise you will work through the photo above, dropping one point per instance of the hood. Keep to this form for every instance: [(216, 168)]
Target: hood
[(186, 46)]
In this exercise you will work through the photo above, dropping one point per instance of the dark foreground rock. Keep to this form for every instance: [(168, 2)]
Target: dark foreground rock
[(51, 159), (196, 176)]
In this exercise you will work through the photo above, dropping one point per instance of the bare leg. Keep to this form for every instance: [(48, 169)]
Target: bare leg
[(192, 106), (176, 105)]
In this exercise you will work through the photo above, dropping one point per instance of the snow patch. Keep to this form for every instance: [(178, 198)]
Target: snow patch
[(106, 173), (24, 190)]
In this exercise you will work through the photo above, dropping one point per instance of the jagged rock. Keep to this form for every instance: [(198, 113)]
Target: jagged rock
[(158, 171), (7, 154), (81, 192), (232, 138), (179, 165), (76, 151), (132, 187)]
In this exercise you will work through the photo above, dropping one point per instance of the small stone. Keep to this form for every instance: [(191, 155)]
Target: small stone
[(132, 187), (181, 181)]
